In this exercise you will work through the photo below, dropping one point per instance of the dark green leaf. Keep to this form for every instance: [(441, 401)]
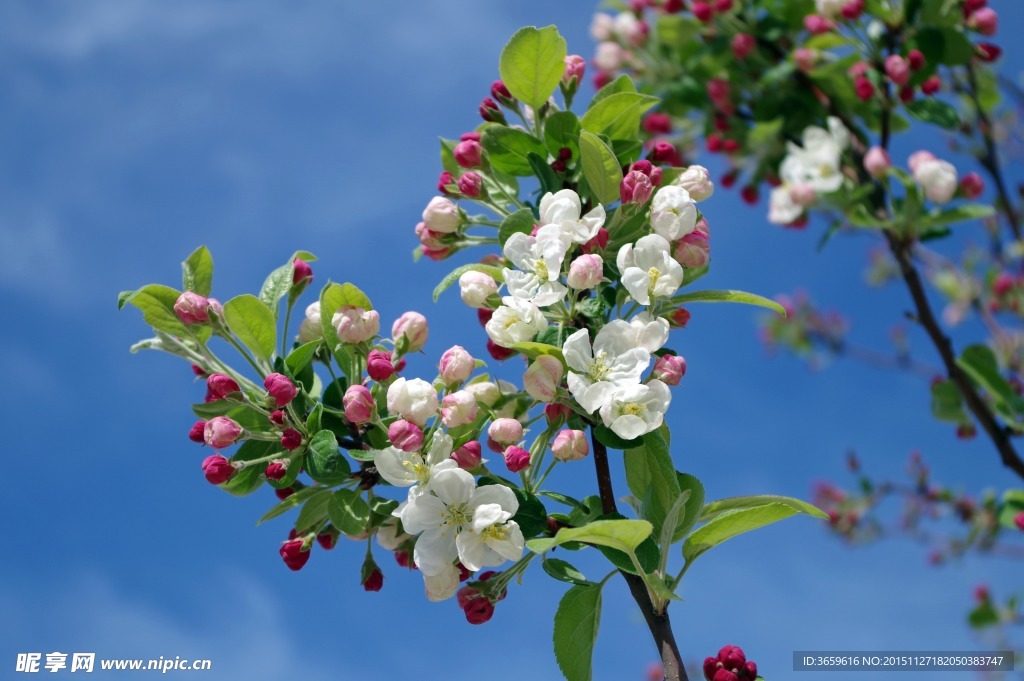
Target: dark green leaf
[(576, 623), (509, 149), (348, 512), (562, 131), (324, 462), (563, 571), (934, 111), (249, 479), (289, 503), (522, 221), (313, 512), (652, 478), (156, 302)]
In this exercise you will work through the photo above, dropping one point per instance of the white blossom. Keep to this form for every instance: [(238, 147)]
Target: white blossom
[(817, 162), (443, 586), (830, 8), (539, 259), (404, 469), (413, 399), (937, 178), (613, 361), (782, 210), (648, 269), (476, 287), (389, 536), (634, 410), (651, 333), (673, 213), (517, 321), (311, 328), (563, 208)]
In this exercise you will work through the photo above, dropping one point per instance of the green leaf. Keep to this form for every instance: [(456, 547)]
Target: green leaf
[(564, 499), (242, 414), (934, 111), (509, 149), (948, 403), (618, 115), (156, 302), (249, 479), (732, 523), (301, 356), (534, 350), (576, 623), (980, 364), (716, 508), (692, 507), (1010, 506), (548, 179), (324, 462), (622, 535), (970, 211), (348, 512), (860, 216), (675, 30), (562, 131), (600, 168), (947, 46), (522, 221), (276, 285), (563, 571), (621, 84), (197, 272), (652, 478), (253, 323), (453, 276), (724, 296), (608, 438), (313, 512), (532, 64), (289, 503), (985, 615)]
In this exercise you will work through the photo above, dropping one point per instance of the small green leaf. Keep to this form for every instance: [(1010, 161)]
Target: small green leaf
[(509, 149), (249, 479), (980, 364), (621, 84), (618, 115), (313, 512), (970, 211), (301, 356), (732, 523), (622, 535), (276, 286), (534, 350), (716, 508), (532, 64), (156, 302), (692, 508), (724, 296), (1011, 505), (253, 323), (576, 623), (563, 571), (453, 276), (324, 462), (562, 131), (948, 403), (652, 478), (947, 46), (600, 168), (608, 438), (348, 512), (934, 111), (197, 272), (522, 221), (289, 503)]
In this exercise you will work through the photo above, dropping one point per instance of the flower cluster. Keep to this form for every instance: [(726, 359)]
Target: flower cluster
[(730, 664)]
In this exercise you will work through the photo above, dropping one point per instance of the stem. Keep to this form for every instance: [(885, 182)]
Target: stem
[(658, 623)]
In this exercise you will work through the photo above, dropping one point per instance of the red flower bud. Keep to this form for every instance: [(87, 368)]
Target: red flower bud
[(971, 186), (516, 458), (220, 386), (277, 417), (732, 657), (328, 540), (864, 87), (199, 371), (989, 52), (723, 5), (445, 183), (657, 123), (724, 675), (730, 146), (379, 366), (374, 581), (1018, 520), (490, 112), (703, 11), (301, 272), (217, 469), (743, 45), (500, 92), (599, 242), (293, 554), (276, 470), (852, 10), (468, 455), (483, 315), (673, 6), (498, 352), (468, 153), (291, 439), (283, 493), (680, 317), (749, 194), (478, 610), (711, 666), (931, 85), (555, 412), (280, 388), (471, 185), (664, 152), (916, 60), (196, 433), (751, 668)]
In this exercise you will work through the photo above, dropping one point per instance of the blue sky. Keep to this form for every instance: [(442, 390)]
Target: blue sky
[(134, 130)]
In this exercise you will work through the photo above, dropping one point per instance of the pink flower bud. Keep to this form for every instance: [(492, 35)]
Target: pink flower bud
[(544, 375), (852, 10), (328, 540), (805, 58), (570, 445), (985, 21), (897, 68), (670, 369), (446, 183), (751, 668), (598, 243), (355, 325), (971, 186), (803, 194), (916, 60), (703, 11), (918, 158), (500, 92), (442, 216), (586, 271), (931, 85), (456, 365), (468, 456), (459, 408), (301, 271), (817, 25), (664, 152), (359, 404), (722, 6), (693, 250), (374, 581), (293, 554), (696, 180), (277, 417), (498, 352), (657, 123), (1018, 520), (217, 469), (877, 162), (718, 90), (680, 318), (413, 326), (197, 432), (291, 439), (988, 52), (506, 431), (471, 185), (276, 470), (732, 657), (219, 386), (711, 666), (516, 458), (468, 153), (743, 45), (280, 388), (724, 675), (192, 308), (221, 431), (491, 112), (575, 68), (555, 412), (476, 287), (379, 366), (864, 88), (405, 435), (635, 188)]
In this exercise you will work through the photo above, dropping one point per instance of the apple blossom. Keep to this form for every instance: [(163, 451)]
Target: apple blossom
[(803, 195), (443, 586), (456, 365), (217, 469), (609, 56), (311, 328), (506, 431), (629, 29), (413, 326), (281, 388), (647, 268), (670, 369), (817, 162), (221, 432), (476, 287), (355, 325), (485, 392), (458, 409), (782, 210), (358, 403), (632, 410), (192, 308), (389, 535), (601, 26), (405, 435), (985, 21), (649, 332), (516, 458), (877, 162), (570, 445), (405, 469), (468, 456), (413, 399), (937, 178), (898, 69), (586, 271), (696, 180), (596, 371), (442, 215), (563, 208), (516, 321), (543, 377), (539, 259), (693, 250)]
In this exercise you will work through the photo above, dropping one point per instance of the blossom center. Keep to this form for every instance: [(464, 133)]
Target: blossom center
[(456, 515), (632, 409), (541, 268), (495, 533), (599, 369), (654, 274)]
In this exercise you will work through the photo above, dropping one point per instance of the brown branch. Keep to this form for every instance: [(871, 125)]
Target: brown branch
[(658, 623)]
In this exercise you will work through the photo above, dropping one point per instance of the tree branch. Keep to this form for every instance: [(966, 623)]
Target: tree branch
[(658, 623)]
